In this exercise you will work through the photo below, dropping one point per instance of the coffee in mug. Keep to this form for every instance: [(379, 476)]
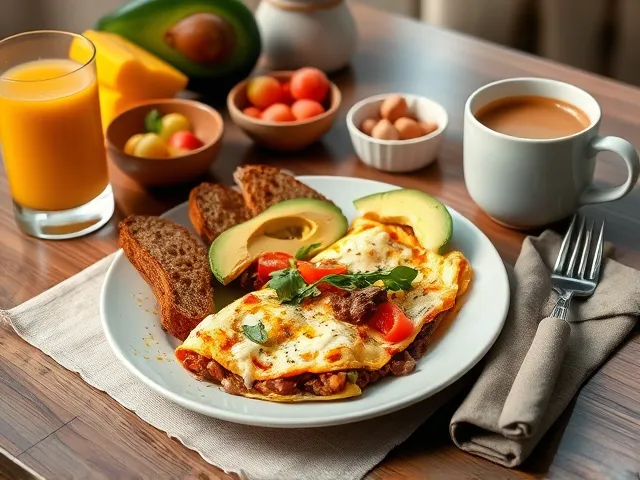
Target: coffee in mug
[(530, 146), (530, 116)]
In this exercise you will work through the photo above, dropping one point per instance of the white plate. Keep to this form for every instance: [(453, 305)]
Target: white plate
[(133, 330)]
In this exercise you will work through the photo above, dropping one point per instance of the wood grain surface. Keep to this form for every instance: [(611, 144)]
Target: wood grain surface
[(62, 428)]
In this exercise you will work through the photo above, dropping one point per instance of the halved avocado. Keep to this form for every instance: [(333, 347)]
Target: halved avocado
[(284, 227), (216, 43), (429, 218)]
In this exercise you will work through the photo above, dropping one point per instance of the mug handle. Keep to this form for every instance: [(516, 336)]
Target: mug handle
[(629, 155)]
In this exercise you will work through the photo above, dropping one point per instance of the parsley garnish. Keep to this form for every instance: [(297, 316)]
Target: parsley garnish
[(153, 122), (256, 333), (304, 252), (399, 278), (291, 287), (287, 283)]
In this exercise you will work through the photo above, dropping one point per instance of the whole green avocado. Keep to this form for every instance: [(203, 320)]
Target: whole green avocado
[(216, 43)]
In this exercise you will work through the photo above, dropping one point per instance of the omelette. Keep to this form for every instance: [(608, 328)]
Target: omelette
[(325, 347)]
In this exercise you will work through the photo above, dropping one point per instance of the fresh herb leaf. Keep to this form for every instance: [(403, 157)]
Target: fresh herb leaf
[(304, 252), (287, 283), (256, 333), (307, 291), (291, 287), (399, 278), (153, 122)]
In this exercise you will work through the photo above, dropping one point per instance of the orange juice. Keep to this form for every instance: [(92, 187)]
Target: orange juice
[(52, 140)]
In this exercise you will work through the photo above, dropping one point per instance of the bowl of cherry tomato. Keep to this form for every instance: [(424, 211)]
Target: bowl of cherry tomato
[(286, 110), (165, 142)]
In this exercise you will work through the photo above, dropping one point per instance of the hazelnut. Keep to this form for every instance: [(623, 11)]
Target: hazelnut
[(367, 126), (408, 128), (384, 130), (393, 108), (428, 127)]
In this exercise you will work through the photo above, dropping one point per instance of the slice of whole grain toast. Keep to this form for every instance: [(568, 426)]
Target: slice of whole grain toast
[(215, 208), (263, 186), (175, 266)]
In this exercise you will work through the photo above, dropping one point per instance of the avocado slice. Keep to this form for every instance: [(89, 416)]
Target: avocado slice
[(216, 43), (429, 218), (285, 227)]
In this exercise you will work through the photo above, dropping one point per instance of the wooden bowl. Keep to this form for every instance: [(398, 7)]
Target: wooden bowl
[(206, 124), (282, 136)]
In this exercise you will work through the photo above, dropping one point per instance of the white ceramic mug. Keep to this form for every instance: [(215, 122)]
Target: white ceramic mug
[(524, 182)]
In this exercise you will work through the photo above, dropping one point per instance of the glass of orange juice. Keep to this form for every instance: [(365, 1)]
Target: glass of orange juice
[(51, 136)]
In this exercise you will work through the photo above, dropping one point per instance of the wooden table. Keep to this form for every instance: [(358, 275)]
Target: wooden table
[(60, 427)]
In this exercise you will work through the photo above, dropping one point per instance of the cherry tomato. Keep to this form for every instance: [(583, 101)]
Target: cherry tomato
[(312, 273), (185, 141), (286, 94), (278, 112), (390, 320), (254, 112), (264, 91), (272, 262), (309, 83), (304, 109)]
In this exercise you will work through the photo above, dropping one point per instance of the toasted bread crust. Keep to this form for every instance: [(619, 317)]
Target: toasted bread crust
[(263, 186), (180, 283), (214, 208)]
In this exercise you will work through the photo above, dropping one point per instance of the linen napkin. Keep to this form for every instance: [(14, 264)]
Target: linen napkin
[(503, 420), (64, 322)]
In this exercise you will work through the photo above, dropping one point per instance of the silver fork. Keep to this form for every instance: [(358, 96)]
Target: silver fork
[(544, 358), (565, 280)]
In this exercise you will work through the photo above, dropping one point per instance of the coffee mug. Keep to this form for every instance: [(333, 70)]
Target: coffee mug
[(526, 182)]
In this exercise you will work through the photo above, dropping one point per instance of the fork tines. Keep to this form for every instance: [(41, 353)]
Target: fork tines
[(582, 246)]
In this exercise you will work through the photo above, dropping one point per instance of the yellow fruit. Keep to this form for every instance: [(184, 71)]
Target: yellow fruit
[(172, 123), (151, 146), (128, 68), (130, 146)]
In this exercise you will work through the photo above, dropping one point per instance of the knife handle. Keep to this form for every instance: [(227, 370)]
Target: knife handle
[(535, 382)]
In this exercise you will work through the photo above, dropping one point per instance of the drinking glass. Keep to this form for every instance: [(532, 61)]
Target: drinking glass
[(51, 135)]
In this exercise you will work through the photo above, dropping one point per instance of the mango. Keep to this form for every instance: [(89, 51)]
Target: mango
[(128, 69), (112, 104)]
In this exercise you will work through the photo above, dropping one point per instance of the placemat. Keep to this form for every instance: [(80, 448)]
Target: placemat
[(64, 323)]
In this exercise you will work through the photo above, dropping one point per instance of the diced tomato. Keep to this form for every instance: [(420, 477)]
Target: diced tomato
[(390, 320), (312, 273), (251, 299), (272, 262)]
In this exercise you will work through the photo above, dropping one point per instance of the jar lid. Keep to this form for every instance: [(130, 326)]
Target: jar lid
[(304, 5)]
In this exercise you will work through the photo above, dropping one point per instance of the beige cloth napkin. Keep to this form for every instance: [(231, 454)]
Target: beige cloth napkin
[(502, 419), (64, 322)]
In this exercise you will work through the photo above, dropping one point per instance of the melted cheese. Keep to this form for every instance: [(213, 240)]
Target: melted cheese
[(367, 251)]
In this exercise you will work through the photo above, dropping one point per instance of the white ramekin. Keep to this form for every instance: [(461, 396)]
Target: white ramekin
[(397, 155)]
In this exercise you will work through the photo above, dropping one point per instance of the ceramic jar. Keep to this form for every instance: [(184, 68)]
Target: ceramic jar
[(299, 33)]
